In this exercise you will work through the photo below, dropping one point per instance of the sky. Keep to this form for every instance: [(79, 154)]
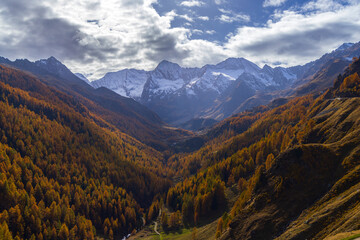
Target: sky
[(98, 36)]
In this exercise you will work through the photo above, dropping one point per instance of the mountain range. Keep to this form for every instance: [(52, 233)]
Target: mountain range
[(180, 94)]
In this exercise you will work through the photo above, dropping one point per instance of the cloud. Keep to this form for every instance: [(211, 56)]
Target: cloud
[(234, 18), (296, 37), (273, 3), (172, 15), (204, 18), (192, 3), (210, 32), (219, 2), (186, 17), (197, 47), (322, 6), (225, 11), (31, 28), (229, 16), (197, 31)]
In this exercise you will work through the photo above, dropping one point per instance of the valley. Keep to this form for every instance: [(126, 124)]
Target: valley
[(79, 162), (180, 120)]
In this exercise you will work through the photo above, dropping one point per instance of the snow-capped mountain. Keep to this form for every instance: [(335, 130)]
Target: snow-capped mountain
[(191, 92), (169, 78), (218, 78), (127, 82), (177, 94)]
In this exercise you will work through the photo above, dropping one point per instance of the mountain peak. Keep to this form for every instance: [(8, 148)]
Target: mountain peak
[(167, 64), (52, 58), (4, 60), (237, 63), (49, 61), (234, 61), (345, 46), (167, 70), (267, 68)]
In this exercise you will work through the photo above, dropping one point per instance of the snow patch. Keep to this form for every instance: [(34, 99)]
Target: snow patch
[(167, 86)]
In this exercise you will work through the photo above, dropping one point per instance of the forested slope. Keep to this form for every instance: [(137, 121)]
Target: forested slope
[(62, 173)]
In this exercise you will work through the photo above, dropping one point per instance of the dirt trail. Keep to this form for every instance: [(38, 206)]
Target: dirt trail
[(155, 228), (156, 224)]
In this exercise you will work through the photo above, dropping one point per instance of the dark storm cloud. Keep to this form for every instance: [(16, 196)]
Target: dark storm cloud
[(156, 40), (162, 46), (296, 37), (308, 41), (37, 34)]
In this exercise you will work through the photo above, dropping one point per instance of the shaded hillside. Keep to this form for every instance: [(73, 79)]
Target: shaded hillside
[(198, 124), (230, 99), (322, 79)]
